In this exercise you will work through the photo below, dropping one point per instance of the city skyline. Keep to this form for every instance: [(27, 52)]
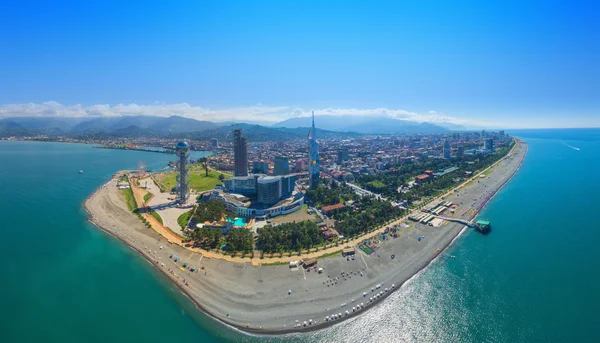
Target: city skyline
[(498, 65)]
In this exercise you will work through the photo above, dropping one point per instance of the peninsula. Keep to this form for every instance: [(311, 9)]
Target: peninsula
[(267, 296)]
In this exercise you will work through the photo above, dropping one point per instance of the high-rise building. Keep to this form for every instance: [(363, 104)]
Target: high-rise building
[(446, 150), (183, 179), (313, 155), (460, 151), (281, 145), (215, 143), (342, 155), (268, 189), (260, 167), (240, 154), (282, 166), (488, 145)]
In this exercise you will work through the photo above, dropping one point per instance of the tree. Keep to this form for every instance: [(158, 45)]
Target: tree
[(221, 177), (289, 237), (209, 211)]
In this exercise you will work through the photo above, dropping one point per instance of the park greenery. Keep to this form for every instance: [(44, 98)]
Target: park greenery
[(330, 195), (388, 183), (236, 240), (209, 211), (184, 218), (289, 237), (200, 179), (147, 197), (367, 214), (129, 199), (206, 238), (156, 216)]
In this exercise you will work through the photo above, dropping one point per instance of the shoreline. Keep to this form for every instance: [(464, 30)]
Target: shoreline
[(422, 264)]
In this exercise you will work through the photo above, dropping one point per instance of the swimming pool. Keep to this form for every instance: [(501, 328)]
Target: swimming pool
[(237, 222)]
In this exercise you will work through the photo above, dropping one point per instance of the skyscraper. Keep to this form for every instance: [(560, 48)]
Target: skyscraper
[(460, 151), (282, 166), (313, 155), (446, 150), (488, 145), (183, 179), (240, 154), (342, 155)]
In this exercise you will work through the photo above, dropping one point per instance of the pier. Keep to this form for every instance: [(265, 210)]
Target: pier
[(482, 226)]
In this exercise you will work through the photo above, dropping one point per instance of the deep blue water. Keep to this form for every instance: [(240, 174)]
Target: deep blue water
[(535, 278)]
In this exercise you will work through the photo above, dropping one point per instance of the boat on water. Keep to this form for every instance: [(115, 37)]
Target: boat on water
[(80, 171)]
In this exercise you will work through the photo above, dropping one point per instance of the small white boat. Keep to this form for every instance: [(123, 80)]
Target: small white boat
[(81, 171)]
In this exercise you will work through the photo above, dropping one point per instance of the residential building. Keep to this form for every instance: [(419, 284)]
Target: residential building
[(281, 166), (240, 153)]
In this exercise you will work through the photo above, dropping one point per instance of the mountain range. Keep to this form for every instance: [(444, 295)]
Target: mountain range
[(176, 126), (368, 124)]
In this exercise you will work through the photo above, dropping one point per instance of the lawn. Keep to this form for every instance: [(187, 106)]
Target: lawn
[(129, 199), (184, 218), (298, 216), (157, 216), (198, 180), (147, 197)]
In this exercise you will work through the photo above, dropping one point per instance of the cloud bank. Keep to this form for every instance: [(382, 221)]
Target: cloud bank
[(256, 113)]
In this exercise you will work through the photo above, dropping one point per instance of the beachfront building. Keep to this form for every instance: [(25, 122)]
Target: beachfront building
[(268, 189), (245, 207), (261, 196), (182, 149)]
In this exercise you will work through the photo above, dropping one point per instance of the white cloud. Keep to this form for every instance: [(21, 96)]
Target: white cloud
[(256, 113), (430, 116)]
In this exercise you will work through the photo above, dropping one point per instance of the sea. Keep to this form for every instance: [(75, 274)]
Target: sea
[(534, 278)]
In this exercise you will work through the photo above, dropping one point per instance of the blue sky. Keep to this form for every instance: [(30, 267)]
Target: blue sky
[(501, 64)]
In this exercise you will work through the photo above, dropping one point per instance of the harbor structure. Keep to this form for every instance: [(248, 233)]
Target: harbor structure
[(483, 226), (240, 154), (313, 155), (182, 149)]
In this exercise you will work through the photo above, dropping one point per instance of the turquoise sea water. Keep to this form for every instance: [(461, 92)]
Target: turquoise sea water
[(535, 278)]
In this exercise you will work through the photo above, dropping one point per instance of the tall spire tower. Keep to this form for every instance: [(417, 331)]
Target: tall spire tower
[(313, 156)]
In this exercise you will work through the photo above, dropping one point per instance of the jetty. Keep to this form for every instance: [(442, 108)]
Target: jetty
[(482, 226)]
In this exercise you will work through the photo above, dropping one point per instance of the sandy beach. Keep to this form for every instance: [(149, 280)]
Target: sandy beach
[(257, 298)]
